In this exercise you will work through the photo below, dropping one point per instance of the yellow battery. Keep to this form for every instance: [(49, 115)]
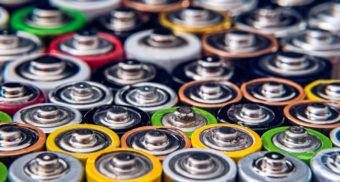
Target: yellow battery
[(120, 165), (323, 90), (82, 140), (233, 140), (195, 20)]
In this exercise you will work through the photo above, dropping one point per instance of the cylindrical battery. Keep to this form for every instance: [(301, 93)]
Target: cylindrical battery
[(325, 165), (46, 166), (324, 90), (325, 16), (234, 7), (335, 137)]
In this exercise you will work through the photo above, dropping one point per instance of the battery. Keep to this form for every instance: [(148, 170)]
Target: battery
[(46, 21), (297, 67), (335, 137), (187, 119), (323, 90), (147, 96), (199, 165), (123, 22), (91, 8), (272, 91), (232, 140), (316, 42), (3, 172), (83, 95), (94, 48), (280, 22), (234, 7), (195, 20), (325, 165), (319, 115), (12, 5), (206, 68), (239, 45), (19, 139), (156, 6), (159, 141), (46, 166), (129, 71), (209, 94), (163, 47), (257, 117), (46, 71), (48, 117), (15, 96), (4, 18), (123, 164), (15, 44), (82, 140), (297, 141), (273, 166), (118, 118), (325, 16)]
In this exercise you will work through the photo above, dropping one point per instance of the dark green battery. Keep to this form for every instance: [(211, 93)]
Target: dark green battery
[(187, 119), (3, 172), (47, 21), (296, 141), (4, 117)]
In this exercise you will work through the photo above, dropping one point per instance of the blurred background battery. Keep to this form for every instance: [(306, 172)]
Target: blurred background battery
[(48, 117), (12, 5), (116, 75), (119, 118), (258, 117), (325, 165), (90, 8), (46, 166), (234, 7), (189, 165), (159, 141), (94, 48), (155, 6)]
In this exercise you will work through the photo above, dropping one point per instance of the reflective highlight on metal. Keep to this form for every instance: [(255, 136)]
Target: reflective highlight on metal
[(123, 165), (326, 165), (158, 141), (335, 136), (273, 166), (233, 140), (324, 90), (41, 166), (199, 165), (325, 16), (156, 6), (235, 7), (48, 117)]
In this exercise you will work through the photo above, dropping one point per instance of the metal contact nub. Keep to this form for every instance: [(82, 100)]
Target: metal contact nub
[(211, 93), (273, 91), (159, 142), (329, 91), (13, 138), (251, 114), (83, 140), (163, 38), (199, 166), (316, 113), (47, 17), (122, 19), (332, 161), (82, 93), (274, 165), (184, 118), (46, 166), (123, 165), (226, 139), (209, 68), (17, 93), (296, 139), (117, 117), (86, 43), (130, 72)]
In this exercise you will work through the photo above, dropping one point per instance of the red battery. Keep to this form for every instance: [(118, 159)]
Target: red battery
[(94, 48)]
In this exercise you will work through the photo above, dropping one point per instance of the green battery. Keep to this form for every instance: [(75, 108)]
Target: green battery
[(47, 21), (187, 119), (3, 172), (4, 117), (296, 141)]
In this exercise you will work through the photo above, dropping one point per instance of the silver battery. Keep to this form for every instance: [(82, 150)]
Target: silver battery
[(206, 165), (280, 22), (235, 7), (325, 16), (335, 137), (46, 71), (48, 117), (46, 166), (15, 93), (326, 165), (273, 167), (147, 96), (81, 95)]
